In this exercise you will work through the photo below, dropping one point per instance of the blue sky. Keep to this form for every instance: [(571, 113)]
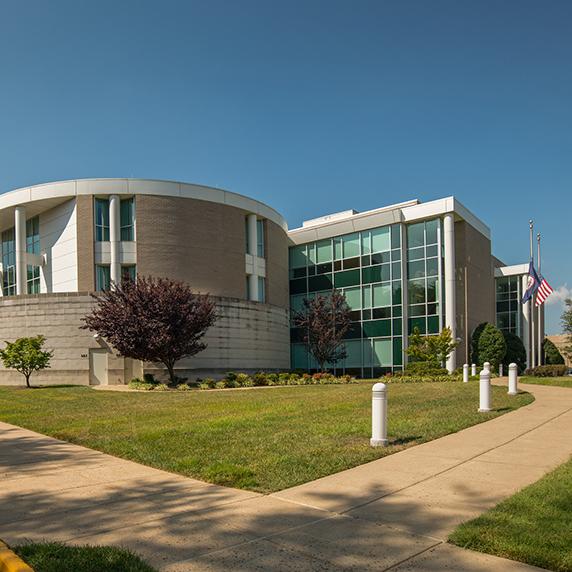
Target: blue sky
[(312, 107)]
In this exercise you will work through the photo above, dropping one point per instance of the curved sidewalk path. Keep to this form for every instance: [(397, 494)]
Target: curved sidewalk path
[(391, 514)]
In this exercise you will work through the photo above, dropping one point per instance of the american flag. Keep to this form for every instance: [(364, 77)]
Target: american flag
[(544, 290)]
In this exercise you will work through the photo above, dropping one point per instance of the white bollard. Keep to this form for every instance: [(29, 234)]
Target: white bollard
[(466, 373), (485, 391), (512, 379), (500, 369), (487, 366), (378, 415), (474, 369)]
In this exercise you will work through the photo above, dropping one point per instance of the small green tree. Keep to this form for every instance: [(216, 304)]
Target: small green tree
[(491, 346), (434, 349), (417, 346), (26, 356), (566, 320), (551, 354), (515, 352), (440, 346)]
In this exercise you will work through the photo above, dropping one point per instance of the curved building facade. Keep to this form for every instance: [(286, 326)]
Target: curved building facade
[(61, 241)]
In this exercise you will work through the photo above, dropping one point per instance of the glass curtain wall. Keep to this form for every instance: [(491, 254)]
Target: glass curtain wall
[(424, 263), (508, 295), (366, 267)]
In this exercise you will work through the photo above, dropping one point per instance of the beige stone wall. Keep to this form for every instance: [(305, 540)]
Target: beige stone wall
[(474, 262), (248, 336), (204, 244)]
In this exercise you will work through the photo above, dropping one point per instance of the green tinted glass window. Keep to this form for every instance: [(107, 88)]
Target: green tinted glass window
[(298, 256), (380, 239), (324, 251), (377, 328), (353, 353), (353, 297), (416, 291), (317, 283), (416, 269), (432, 267), (397, 351), (346, 278), (351, 245), (381, 295), (433, 325), (382, 351), (431, 229), (416, 235), (395, 236)]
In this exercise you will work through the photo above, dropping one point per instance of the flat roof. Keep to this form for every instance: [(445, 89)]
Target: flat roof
[(42, 197), (409, 211)]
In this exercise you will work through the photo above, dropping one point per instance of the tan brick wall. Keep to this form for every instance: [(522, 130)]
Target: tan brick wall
[(248, 336), (204, 244), (277, 283), (85, 244), (473, 253)]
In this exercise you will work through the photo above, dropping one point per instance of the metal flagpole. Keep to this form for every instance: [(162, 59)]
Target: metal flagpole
[(531, 308), (539, 308)]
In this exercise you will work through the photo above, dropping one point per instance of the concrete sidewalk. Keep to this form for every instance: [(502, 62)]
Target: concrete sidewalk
[(393, 513)]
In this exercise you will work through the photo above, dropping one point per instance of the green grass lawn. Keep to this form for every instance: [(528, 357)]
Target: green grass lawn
[(533, 526), (258, 439), (559, 381), (57, 557)]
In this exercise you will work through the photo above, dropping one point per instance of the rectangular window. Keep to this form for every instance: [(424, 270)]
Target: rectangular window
[(33, 279), (127, 219), (102, 277), (128, 272), (261, 289), (9, 262), (101, 220), (33, 235), (260, 238)]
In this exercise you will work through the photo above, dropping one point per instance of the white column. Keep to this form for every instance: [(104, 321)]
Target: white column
[(251, 229), (252, 234), (378, 415), (20, 246), (526, 323), (115, 237), (450, 298)]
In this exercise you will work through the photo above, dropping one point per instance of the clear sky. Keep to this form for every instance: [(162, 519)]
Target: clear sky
[(311, 106)]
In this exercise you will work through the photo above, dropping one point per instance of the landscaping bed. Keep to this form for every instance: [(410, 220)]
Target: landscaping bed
[(233, 380), (257, 440), (533, 526)]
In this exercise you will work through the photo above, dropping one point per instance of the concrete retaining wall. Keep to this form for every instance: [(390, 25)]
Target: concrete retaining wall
[(248, 336)]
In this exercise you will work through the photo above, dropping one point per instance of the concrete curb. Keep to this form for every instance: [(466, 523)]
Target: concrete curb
[(10, 562)]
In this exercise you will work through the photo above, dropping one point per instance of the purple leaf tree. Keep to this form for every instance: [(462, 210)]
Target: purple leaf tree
[(153, 319), (325, 321)]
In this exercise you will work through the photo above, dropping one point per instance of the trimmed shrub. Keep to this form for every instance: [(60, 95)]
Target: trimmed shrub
[(139, 384), (430, 368), (551, 354), (492, 347), (161, 387), (150, 378), (184, 387), (475, 342), (515, 352), (547, 371)]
